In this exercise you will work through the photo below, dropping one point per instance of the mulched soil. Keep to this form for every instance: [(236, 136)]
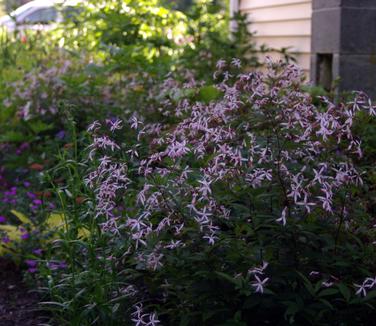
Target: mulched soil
[(18, 306)]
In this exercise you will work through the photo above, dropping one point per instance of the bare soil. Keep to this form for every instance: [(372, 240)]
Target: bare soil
[(18, 305)]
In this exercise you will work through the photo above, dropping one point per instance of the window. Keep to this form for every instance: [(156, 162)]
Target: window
[(41, 16), (71, 13)]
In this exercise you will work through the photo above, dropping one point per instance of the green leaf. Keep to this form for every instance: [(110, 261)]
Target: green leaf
[(13, 137), (370, 295), (39, 126), (21, 217), (292, 309), (12, 232), (209, 93), (327, 303), (307, 284), (327, 292), (185, 321), (228, 278), (56, 221), (344, 291)]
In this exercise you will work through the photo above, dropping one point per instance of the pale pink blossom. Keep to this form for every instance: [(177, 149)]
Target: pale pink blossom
[(259, 284), (282, 219)]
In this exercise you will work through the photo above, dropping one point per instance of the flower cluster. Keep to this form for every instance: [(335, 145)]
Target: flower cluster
[(264, 134), (34, 94), (258, 135), (144, 319), (109, 177), (368, 284), (258, 272)]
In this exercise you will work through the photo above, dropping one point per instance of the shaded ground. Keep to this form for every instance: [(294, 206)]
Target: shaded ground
[(18, 306)]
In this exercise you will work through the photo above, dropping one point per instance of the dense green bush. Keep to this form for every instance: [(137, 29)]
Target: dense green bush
[(111, 65)]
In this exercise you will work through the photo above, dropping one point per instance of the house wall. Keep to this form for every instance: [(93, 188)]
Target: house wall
[(282, 23)]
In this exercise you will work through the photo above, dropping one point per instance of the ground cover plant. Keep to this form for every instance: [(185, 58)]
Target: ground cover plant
[(151, 174)]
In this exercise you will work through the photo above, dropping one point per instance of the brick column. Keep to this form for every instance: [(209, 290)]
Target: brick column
[(344, 44)]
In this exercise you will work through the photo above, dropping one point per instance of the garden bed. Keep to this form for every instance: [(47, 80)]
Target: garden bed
[(160, 177)]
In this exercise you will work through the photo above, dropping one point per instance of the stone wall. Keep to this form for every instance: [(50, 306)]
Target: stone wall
[(344, 44)]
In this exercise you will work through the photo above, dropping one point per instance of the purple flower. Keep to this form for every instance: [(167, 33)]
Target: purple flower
[(114, 124), (135, 122), (24, 146), (314, 273), (258, 284), (32, 265), (37, 252), (94, 126), (37, 202), (210, 238), (57, 265), (282, 219), (327, 284), (178, 149), (3, 219), (31, 262), (53, 266), (51, 206), (5, 239), (142, 318), (27, 184), (31, 195), (24, 234), (60, 135)]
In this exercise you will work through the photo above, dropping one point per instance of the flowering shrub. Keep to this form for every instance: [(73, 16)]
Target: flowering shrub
[(234, 199), (46, 83), (245, 209)]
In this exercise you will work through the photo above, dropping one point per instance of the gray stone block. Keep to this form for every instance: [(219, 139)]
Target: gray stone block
[(326, 31), (336, 66), (344, 44), (358, 3), (358, 30), (313, 73), (327, 4), (358, 72)]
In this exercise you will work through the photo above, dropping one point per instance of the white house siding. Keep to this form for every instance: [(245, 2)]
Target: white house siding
[(282, 23)]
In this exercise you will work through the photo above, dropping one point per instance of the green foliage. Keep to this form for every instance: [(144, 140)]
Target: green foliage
[(212, 41), (313, 260), (112, 61), (128, 35)]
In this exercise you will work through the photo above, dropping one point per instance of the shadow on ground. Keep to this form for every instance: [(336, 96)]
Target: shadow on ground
[(18, 306)]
